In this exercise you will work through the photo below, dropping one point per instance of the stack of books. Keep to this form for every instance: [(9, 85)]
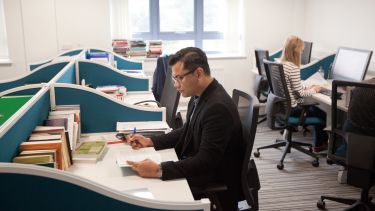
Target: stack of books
[(120, 46), (137, 48), (52, 144), (154, 49), (46, 146)]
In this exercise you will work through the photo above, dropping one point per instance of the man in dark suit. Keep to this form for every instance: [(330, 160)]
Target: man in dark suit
[(209, 145)]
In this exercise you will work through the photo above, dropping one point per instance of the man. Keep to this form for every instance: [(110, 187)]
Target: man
[(209, 145)]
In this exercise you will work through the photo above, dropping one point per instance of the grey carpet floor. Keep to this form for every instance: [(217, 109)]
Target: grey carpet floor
[(299, 185)]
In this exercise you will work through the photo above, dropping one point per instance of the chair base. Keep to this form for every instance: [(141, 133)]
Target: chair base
[(288, 146), (356, 204)]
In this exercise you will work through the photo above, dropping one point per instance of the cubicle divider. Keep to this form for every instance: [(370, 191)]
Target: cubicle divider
[(313, 67), (98, 74), (275, 55), (19, 126), (66, 54), (120, 62), (66, 75), (43, 74), (100, 112)]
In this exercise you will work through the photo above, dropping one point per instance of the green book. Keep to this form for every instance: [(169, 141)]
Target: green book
[(90, 149), (33, 159), (10, 105)]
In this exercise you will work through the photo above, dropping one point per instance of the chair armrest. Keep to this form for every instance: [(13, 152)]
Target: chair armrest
[(212, 188)]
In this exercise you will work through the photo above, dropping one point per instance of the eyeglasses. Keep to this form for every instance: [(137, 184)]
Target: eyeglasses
[(179, 78)]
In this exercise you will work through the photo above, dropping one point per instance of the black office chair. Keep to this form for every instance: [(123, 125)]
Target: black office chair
[(359, 159), (280, 107), (261, 83), (169, 99), (306, 53), (249, 174)]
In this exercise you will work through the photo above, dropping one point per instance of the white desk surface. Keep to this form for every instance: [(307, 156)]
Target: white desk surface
[(108, 173)]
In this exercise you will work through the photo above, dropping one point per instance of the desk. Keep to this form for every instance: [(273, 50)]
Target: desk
[(108, 173)]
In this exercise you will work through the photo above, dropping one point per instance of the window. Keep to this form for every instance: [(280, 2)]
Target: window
[(200, 23), (4, 56)]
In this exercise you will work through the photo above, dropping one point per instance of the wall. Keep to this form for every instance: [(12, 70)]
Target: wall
[(266, 25), (334, 23), (40, 29)]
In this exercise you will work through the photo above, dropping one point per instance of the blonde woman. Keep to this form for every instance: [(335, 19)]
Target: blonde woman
[(291, 60)]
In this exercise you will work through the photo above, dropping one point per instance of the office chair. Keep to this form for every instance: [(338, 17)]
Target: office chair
[(249, 174), (169, 99), (261, 82), (306, 54), (279, 103), (359, 159)]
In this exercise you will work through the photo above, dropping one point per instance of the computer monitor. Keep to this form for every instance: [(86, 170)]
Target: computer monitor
[(306, 53), (350, 64)]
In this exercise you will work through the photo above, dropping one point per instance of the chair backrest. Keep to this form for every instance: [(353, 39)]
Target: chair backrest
[(360, 160), (279, 100), (249, 115), (159, 75), (336, 151), (306, 53), (260, 55), (169, 99)]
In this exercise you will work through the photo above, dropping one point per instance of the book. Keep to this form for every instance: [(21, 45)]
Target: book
[(57, 122), (46, 145), (33, 159), (90, 151)]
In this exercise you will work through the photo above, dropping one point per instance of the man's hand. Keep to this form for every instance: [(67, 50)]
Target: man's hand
[(138, 141), (146, 168)]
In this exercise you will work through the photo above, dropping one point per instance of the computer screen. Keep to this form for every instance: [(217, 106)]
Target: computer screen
[(306, 53), (350, 64)]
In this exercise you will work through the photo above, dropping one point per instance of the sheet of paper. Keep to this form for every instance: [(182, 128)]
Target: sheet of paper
[(137, 155)]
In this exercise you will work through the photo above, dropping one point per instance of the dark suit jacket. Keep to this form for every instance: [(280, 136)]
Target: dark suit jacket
[(209, 147)]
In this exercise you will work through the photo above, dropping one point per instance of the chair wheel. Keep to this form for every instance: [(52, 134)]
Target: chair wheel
[(321, 204), (256, 154), (315, 163), (280, 166), (329, 161)]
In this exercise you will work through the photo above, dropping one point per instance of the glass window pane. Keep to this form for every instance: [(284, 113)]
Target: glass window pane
[(176, 16), (172, 46), (213, 45), (139, 15), (214, 13), (3, 38)]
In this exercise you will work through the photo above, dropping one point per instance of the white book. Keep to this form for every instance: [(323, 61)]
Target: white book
[(137, 155), (142, 126)]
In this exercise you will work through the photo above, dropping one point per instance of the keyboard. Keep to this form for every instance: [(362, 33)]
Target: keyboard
[(328, 92)]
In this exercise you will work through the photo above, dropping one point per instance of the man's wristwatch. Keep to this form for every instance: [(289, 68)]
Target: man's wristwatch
[(160, 172)]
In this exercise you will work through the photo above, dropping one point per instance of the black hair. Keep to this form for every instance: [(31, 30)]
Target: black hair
[(191, 58)]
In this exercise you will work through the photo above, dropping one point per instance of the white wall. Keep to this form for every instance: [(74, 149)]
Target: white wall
[(333, 23), (40, 29), (65, 25)]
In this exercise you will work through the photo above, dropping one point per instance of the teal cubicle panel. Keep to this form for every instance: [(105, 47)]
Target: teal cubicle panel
[(69, 75), (324, 63), (99, 113), (29, 187), (72, 53), (34, 66), (20, 129), (275, 55), (42, 75), (97, 74), (124, 64)]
